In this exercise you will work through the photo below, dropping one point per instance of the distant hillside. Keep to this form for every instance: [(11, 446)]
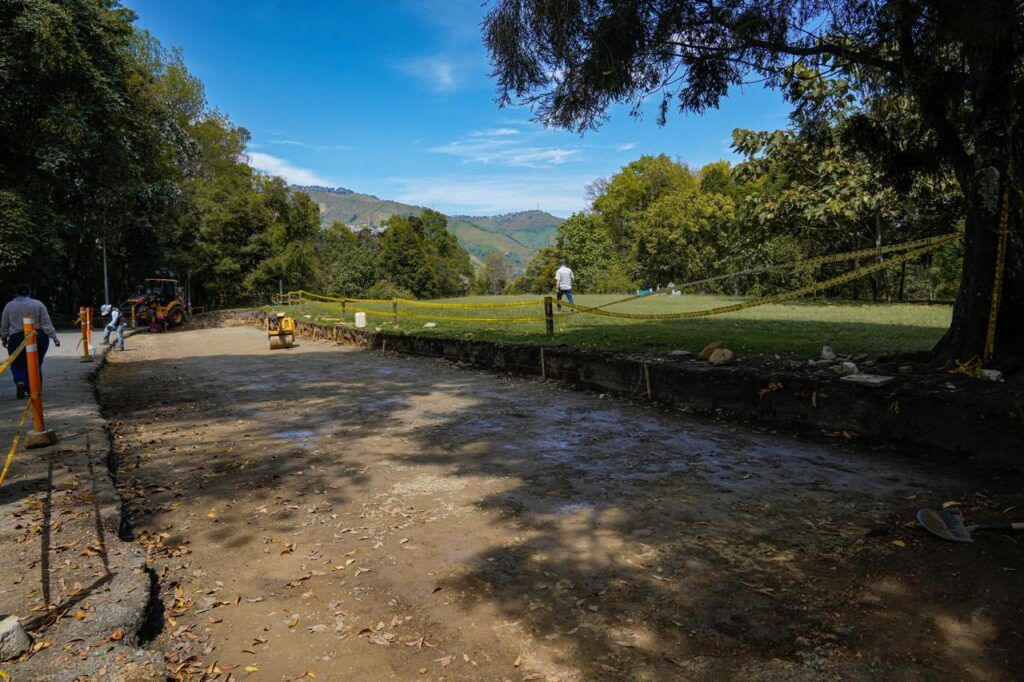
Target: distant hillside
[(519, 235)]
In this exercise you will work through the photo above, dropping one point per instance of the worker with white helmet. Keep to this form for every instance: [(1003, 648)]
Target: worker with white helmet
[(116, 324)]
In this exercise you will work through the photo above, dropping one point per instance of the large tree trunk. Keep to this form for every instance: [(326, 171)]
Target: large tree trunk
[(989, 166), (990, 191)]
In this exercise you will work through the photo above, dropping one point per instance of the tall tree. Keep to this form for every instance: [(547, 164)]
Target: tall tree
[(584, 243), (495, 274), (959, 63)]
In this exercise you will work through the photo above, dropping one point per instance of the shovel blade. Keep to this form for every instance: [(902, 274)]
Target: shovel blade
[(944, 524)]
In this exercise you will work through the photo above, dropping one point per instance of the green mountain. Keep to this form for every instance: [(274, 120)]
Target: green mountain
[(518, 235)]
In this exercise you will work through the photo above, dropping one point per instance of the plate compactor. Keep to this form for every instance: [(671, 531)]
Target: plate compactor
[(280, 331)]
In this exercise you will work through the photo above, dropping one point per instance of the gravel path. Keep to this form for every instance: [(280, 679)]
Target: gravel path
[(326, 509)]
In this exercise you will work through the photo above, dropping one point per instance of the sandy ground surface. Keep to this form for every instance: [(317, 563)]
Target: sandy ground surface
[(328, 510)]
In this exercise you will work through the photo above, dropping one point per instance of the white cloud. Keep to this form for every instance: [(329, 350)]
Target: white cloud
[(625, 147), (489, 195), (307, 145), (506, 152), (293, 174), (494, 132), (437, 73)]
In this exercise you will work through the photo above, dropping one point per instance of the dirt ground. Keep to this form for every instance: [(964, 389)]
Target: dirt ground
[(328, 511)]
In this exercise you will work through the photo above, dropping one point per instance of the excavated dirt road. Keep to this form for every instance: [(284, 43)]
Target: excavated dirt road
[(330, 511)]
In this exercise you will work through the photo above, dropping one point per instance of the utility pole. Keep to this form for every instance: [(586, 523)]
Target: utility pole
[(106, 284)]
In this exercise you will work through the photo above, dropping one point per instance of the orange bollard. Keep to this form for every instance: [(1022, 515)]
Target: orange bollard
[(88, 327), (39, 436), (84, 317)]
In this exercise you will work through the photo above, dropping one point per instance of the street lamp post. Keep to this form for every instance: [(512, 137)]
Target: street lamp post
[(106, 286)]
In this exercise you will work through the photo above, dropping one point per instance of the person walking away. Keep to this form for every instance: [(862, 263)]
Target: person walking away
[(12, 333), (116, 324), (563, 282)]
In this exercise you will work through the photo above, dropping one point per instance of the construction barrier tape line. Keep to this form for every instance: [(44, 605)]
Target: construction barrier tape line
[(14, 445), (510, 304), (415, 316), (810, 262), (430, 304), (14, 356), (795, 293), (917, 247), (997, 285)]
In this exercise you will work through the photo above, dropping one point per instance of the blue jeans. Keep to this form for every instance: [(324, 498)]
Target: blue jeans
[(19, 368), (120, 336), (567, 293)]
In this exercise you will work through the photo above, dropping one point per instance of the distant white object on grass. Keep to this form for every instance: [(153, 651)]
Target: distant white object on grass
[(676, 292), (430, 325), (827, 353), (360, 320)]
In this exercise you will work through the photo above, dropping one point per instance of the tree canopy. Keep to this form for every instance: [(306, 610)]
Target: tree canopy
[(932, 83)]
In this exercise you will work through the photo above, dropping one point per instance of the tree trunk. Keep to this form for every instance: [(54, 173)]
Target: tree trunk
[(989, 167), (990, 193)]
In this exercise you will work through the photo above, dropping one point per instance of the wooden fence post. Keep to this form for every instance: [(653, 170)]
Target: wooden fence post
[(394, 312), (549, 316)]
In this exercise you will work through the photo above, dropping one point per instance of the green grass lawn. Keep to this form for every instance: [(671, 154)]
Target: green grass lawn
[(799, 327)]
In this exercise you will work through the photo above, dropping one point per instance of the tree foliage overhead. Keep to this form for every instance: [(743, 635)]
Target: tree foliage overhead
[(949, 74), (108, 140)]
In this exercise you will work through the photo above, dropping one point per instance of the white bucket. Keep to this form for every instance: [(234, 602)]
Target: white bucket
[(360, 320)]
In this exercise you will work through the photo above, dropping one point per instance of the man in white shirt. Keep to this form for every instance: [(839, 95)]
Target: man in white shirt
[(116, 324), (563, 282), (12, 334)]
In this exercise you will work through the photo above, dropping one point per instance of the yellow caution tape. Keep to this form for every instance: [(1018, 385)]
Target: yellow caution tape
[(14, 356), (971, 368), (915, 248), (794, 293), (997, 285), (433, 304), (809, 263), (14, 445), (301, 294), (447, 318)]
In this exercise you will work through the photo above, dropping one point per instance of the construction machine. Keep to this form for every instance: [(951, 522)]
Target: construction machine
[(160, 303), (280, 330)]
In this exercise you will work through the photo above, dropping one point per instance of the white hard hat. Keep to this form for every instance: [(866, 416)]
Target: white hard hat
[(105, 309)]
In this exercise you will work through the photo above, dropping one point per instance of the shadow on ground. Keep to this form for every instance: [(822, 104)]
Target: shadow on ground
[(605, 539)]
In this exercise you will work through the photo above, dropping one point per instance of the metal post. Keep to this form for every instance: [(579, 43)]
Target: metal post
[(83, 317), (394, 312), (549, 316), (39, 436), (106, 286)]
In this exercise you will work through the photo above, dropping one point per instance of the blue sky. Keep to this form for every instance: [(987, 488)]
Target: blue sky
[(393, 98)]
